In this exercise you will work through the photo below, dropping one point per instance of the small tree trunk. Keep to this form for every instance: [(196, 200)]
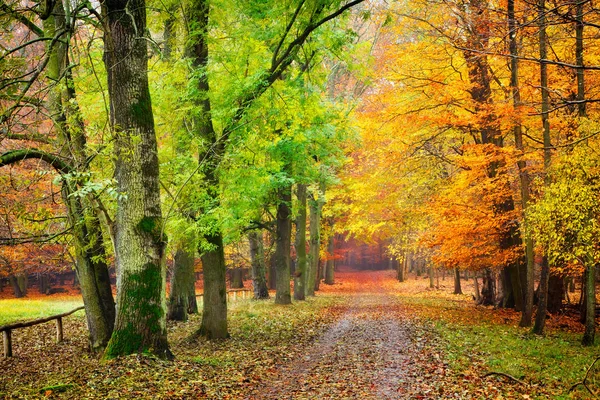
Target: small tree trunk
[(43, 284), (457, 287), (590, 309), (237, 278), (182, 275), (272, 272), (329, 266), (477, 293), (282, 249), (214, 304), (540, 317), (15, 285), (257, 256), (401, 268), (312, 273), (320, 269), (488, 291), (431, 276), (556, 293), (300, 273)]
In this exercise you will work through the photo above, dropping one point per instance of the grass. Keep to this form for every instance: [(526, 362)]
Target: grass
[(480, 340), (25, 309)]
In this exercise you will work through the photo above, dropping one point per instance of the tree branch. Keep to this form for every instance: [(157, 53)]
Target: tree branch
[(15, 156)]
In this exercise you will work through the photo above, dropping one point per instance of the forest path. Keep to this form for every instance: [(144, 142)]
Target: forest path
[(374, 351)]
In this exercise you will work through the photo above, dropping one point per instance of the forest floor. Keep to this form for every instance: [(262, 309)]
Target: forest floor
[(366, 337)]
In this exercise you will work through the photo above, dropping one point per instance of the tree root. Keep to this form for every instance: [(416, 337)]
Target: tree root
[(506, 376), (583, 382)]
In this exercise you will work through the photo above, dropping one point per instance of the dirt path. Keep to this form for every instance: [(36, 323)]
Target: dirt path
[(374, 351)]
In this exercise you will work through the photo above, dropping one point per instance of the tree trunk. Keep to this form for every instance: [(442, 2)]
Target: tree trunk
[(556, 293), (431, 274), (23, 282), (237, 278), (14, 282), (540, 317), (312, 273), (272, 273), (140, 244), (43, 284), (282, 246), (182, 285), (477, 293), (257, 256), (401, 268), (457, 287), (488, 291), (590, 308), (329, 266), (90, 254), (320, 269), (214, 306), (524, 180), (301, 268)]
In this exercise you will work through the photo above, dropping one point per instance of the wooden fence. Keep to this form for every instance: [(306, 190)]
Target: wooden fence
[(7, 329), (232, 295)]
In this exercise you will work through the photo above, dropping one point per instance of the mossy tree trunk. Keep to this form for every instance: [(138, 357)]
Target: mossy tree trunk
[(330, 264), (140, 324), (257, 256), (282, 246), (182, 285), (90, 254), (301, 267)]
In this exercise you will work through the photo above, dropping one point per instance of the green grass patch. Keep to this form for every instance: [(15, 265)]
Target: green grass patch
[(473, 341), (14, 310), (60, 388)]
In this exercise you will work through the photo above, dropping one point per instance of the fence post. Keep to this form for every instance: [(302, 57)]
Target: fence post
[(234, 296), (7, 343), (59, 330)]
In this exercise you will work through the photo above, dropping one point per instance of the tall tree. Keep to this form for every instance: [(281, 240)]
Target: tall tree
[(540, 318), (140, 242), (301, 269)]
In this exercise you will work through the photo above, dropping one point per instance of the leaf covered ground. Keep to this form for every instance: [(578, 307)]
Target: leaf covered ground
[(366, 337)]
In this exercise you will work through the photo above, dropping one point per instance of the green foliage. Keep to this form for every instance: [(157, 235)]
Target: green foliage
[(566, 218)]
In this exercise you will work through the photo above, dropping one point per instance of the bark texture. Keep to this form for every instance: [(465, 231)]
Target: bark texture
[(140, 244), (257, 256), (182, 285), (90, 253)]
